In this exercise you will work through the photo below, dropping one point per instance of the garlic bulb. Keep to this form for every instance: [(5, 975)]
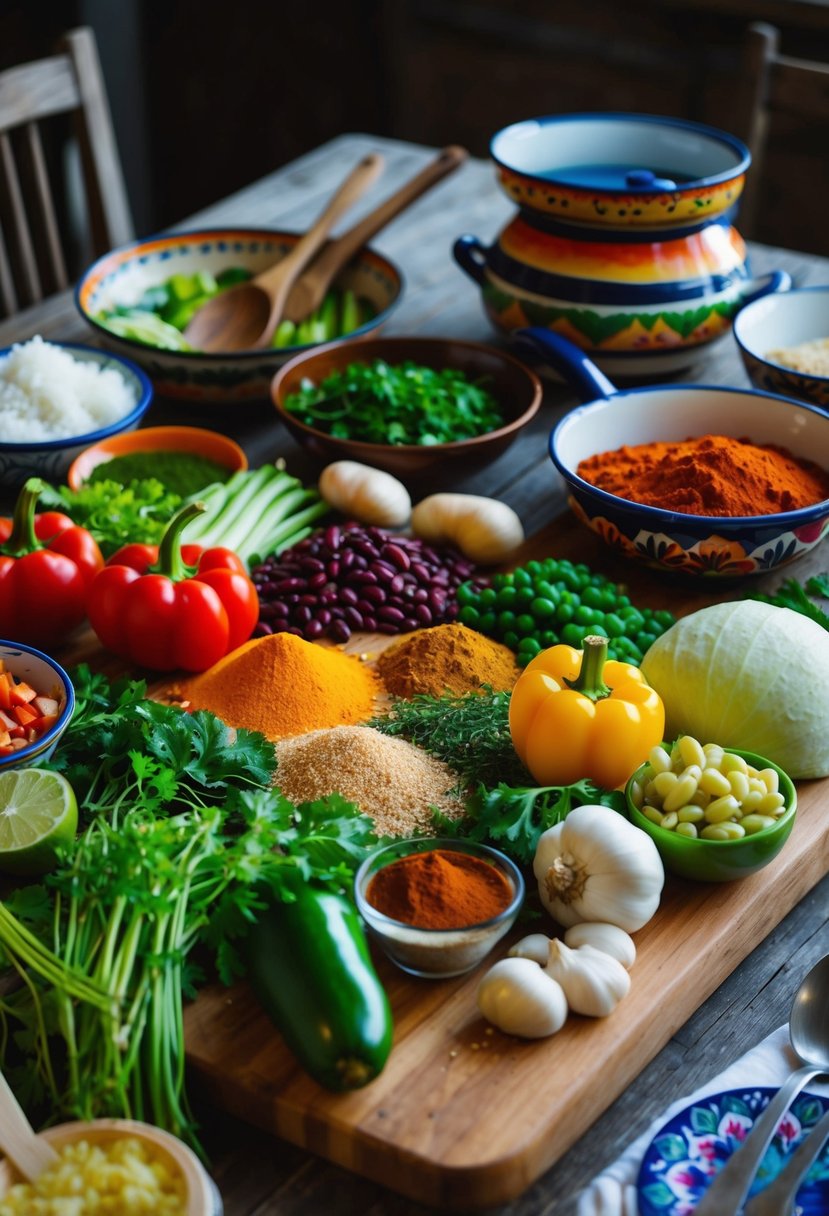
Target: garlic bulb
[(368, 495), (610, 939), (536, 947), (597, 866), (593, 982), (484, 529), (520, 998)]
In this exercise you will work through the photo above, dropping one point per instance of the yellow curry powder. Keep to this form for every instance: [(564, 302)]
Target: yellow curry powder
[(281, 685), (446, 658)]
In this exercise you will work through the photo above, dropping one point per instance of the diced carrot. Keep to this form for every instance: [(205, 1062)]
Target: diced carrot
[(6, 684), (22, 693), (24, 714)]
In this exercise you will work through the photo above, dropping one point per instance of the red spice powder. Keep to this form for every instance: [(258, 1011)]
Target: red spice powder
[(710, 475), (439, 889)]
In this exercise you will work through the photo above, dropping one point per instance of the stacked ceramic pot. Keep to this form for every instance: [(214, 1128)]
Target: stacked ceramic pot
[(624, 239)]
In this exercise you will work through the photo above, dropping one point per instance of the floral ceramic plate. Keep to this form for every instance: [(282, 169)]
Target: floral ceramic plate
[(691, 1147)]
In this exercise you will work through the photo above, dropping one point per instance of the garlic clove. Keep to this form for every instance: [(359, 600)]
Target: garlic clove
[(536, 947), (610, 939), (593, 982), (520, 998), (368, 495)]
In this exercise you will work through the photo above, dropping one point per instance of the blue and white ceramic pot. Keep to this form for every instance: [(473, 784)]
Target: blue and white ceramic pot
[(623, 241)]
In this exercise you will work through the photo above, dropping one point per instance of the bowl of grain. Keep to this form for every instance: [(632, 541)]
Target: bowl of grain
[(56, 399), (113, 1165), (784, 343)]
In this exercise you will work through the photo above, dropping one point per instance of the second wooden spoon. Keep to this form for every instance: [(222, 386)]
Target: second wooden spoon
[(245, 317), (18, 1139)]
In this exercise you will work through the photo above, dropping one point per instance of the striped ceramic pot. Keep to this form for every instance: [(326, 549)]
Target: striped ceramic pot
[(623, 240)]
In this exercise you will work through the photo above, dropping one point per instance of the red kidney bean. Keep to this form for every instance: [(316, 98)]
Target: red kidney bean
[(350, 577)]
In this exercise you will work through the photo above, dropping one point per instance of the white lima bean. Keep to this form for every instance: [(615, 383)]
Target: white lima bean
[(705, 791)]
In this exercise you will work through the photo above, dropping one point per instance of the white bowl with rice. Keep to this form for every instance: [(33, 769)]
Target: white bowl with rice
[(56, 399), (784, 343)]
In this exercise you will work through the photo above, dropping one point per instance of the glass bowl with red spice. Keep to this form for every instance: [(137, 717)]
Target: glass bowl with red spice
[(436, 906), (701, 480)]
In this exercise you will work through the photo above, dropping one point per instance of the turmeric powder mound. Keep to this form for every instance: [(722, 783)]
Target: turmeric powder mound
[(446, 658), (281, 685)]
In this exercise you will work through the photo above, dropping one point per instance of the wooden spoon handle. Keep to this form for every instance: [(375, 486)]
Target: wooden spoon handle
[(357, 182), (18, 1140), (308, 291)]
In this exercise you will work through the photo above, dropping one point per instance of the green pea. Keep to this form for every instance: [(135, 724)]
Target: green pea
[(525, 624), (574, 635), (511, 639), (586, 616), (488, 596), (487, 622), (529, 646), (469, 616), (525, 596), (542, 609), (614, 625), (534, 567), (506, 597), (565, 613), (505, 620), (645, 640), (522, 578), (547, 638)]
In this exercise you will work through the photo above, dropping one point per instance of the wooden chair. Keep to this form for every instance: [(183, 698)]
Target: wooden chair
[(64, 93), (774, 85)]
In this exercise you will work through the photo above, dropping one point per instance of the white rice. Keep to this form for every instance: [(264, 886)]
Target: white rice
[(809, 357), (47, 394)]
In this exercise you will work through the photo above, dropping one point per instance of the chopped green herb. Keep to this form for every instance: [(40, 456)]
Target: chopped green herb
[(116, 514), (405, 403)]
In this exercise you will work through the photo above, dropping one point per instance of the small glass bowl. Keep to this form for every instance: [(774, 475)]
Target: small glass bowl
[(436, 953)]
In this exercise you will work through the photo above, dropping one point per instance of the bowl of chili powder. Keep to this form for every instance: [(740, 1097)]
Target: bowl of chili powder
[(437, 906), (703, 480)]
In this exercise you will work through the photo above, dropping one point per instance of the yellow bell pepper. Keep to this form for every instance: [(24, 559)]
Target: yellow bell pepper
[(576, 714)]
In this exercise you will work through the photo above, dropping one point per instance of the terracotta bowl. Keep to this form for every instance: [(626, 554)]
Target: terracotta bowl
[(123, 275), (210, 444), (202, 1196), (517, 389)]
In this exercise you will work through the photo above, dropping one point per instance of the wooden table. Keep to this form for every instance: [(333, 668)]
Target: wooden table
[(260, 1176)]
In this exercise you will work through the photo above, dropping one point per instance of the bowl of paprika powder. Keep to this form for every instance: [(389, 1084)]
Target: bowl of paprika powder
[(704, 480), (437, 906)]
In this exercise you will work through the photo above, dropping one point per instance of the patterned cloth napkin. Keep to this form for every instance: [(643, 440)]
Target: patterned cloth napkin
[(613, 1192)]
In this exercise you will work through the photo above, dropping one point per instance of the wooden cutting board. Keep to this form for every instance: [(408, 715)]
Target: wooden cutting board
[(464, 1116)]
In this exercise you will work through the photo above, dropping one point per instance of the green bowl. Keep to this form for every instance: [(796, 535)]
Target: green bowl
[(720, 860)]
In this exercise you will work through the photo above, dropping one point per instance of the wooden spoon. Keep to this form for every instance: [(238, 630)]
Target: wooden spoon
[(309, 290), (18, 1139), (245, 317)]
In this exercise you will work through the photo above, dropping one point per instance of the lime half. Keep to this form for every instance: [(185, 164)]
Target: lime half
[(38, 812)]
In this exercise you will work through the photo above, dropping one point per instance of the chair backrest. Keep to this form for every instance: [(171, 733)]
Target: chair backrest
[(35, 232), (774, 85)]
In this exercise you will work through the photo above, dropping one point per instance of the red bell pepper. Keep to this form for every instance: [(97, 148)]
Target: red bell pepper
[(47, 565), (173, 607)]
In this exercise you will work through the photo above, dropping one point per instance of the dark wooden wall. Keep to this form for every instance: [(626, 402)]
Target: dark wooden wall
[(209, 96)]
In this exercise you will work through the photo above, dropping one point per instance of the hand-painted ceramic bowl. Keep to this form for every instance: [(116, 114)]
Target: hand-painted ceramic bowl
[(192, 439), (693, 1145), (51, 458), (121, 277), (712, 547), (48, 679), (437, 953), (767, 330), (719, 860), (516, 388), (201, 1196), (623, 240)]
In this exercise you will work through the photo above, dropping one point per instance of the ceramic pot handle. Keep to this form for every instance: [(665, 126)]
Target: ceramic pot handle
[(569, 360), (470, 255), (766, 284)]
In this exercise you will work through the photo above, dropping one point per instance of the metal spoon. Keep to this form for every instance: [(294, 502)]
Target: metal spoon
[(18, 1139), (809, 1035), (245, 317), (779, 1196)]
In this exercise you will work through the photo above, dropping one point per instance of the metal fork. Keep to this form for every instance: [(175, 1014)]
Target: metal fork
[(777, 1199)]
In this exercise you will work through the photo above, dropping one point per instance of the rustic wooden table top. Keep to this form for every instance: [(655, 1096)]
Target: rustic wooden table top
[(260, 1176)]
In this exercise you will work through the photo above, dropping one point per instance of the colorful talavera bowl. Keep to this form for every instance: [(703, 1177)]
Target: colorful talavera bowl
[(692, 1146), (768, 326), (122, 276), (713, 547), (623, 241)]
